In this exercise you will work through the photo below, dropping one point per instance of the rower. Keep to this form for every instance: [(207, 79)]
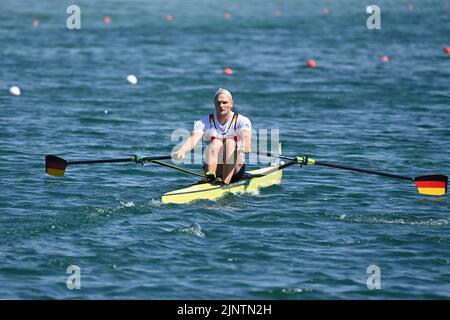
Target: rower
[(229, 135)]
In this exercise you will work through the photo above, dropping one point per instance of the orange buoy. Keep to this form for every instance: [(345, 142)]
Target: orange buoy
[(226, 15), (410, 7), (228, 71), (169, 18), (107, 20), (385, 58), (35, 22), (277, 13), (311, 64), (447, 50), (325, 11)]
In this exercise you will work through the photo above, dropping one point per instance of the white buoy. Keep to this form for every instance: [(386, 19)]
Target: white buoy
[(14, 90), (132, 79), (282, 162)]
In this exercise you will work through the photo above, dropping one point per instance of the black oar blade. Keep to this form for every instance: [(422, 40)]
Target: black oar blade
[(55, 166), (433, 185)]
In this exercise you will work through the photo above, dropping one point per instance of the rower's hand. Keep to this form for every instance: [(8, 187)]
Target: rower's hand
[(245, 149), (180, 154), (246, 141)]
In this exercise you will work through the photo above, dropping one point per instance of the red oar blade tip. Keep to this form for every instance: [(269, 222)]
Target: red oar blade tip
[(55, 166), (433, 185)]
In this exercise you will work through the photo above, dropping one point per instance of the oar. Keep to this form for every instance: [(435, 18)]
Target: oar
[(177, 168), (435, 185), (56, 166)]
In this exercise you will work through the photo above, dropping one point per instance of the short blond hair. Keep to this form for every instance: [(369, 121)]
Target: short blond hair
[(224, 91)]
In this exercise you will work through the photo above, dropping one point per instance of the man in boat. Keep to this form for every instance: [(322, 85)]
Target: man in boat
[(229, 134)]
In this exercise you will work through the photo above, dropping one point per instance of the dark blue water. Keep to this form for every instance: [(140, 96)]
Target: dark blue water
[(312, 237)]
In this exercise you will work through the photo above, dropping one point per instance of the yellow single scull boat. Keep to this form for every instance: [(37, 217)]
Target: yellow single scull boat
[(256, 179)]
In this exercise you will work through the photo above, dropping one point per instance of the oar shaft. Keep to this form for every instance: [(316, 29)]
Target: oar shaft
[(345, 167), (274, 169), (130, 159), (101, 161), (270, 154), (385, 174), (158, 158), (177, 168)]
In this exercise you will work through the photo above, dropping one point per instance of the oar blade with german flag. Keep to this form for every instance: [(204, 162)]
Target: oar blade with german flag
[(55, 166), (433, 185)]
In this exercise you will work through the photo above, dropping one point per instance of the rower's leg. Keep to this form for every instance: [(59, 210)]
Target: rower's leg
[(214, 151), (231, 165)]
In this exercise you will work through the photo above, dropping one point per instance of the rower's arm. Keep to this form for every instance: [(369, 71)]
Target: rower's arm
[(246, 140), (189, 144)]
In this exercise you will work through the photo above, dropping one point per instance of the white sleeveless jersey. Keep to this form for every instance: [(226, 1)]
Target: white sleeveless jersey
[(212, 129)]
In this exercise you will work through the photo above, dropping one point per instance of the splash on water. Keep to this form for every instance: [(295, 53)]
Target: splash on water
[(194, 229)]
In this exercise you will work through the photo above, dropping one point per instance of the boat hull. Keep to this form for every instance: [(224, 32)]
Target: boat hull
[(207, 191)]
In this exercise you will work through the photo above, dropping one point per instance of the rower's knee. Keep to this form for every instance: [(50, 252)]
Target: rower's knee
[(215, 147), (230, 151), (230, 145), (214, 151)]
